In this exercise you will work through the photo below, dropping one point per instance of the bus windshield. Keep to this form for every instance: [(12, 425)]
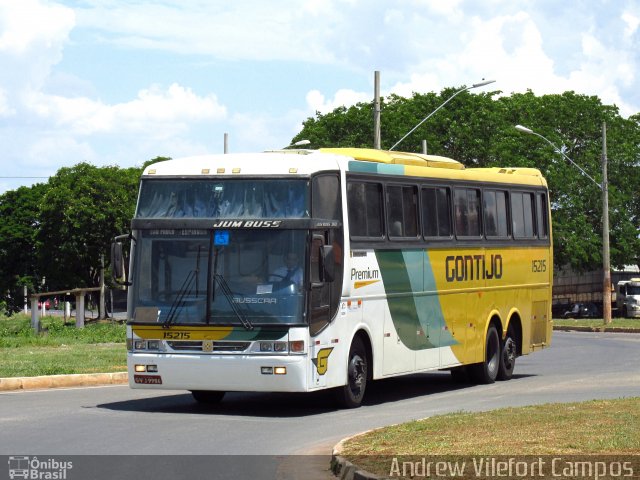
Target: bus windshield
[(236, 198), (250, 277)]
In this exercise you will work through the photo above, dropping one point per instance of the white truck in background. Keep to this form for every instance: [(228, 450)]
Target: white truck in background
[(628, 297)]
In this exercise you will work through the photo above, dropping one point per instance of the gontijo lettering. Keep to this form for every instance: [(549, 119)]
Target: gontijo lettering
[(462, 268)]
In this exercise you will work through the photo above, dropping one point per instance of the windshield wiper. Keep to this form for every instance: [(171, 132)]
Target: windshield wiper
[(179, 302), (185, 289), (228, 294)]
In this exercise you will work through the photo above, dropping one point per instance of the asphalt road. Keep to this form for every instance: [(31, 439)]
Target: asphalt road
[(118, 421)]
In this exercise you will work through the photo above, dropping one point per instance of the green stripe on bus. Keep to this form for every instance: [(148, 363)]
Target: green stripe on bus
[(408, 280)]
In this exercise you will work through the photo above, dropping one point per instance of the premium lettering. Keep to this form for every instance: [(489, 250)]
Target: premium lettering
[(367, 274)]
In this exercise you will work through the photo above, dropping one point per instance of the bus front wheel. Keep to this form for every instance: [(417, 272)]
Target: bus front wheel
[(208, 397), (487, 371), (351, 395)]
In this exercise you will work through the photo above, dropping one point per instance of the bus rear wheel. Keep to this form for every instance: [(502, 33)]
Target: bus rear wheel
[(351, 395), (208, 397), (487, 371), (508, 356)]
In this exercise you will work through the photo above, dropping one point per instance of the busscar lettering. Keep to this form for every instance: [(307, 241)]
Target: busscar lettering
[(465, 268), (247, 224), (261, 300)]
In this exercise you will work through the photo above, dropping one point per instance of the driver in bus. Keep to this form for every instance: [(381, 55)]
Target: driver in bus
[(288, 274)]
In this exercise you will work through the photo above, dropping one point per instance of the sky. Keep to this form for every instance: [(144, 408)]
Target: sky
[(115, 82)]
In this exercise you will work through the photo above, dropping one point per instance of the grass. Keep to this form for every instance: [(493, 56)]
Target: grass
[(599, 427), (597, 324), (60, 348)]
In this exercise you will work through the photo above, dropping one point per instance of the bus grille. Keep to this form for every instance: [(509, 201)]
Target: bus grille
[(228, 347)]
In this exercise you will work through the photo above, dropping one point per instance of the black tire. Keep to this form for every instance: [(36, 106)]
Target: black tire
[(508, 355), (487, 371), (351, 395), (208, 397)]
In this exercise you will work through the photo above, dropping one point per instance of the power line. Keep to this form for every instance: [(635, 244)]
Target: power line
[(23, 177)]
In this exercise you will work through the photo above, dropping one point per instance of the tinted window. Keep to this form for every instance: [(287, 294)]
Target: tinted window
[(436, 212), (365, 209), (224, 199), (467, 212), (326, 197), (402, 205), (541, 210), (522, 214), (495, 213)]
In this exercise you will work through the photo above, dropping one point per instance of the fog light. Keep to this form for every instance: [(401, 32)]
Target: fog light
[(140, 368), (266, 370), (152, 368), (280, 370)]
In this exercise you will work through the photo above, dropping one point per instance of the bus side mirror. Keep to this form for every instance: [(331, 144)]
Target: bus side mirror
[(117, 263), (328, 263)]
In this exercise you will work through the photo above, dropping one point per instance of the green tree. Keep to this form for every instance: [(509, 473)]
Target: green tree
[(82, 210), (19, 224)]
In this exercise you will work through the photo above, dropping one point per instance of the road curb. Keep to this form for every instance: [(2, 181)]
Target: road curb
[(61, 381), (346, 470), (603, 329)]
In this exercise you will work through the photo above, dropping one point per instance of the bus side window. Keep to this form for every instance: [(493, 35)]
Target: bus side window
[(436, 212), (326, 197), (522, 215), (467, 212), (542, 212), (365, 209), (402, 202)]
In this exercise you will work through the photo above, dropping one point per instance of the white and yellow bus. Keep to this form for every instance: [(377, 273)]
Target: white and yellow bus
[(397, 263)]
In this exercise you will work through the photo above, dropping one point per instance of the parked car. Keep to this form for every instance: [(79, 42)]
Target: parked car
[(582, 310)]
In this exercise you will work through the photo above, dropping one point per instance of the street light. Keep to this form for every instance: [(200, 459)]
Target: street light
[(475, 85), (604, 187)]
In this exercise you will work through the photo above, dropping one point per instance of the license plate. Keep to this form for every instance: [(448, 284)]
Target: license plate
[(148, 379)]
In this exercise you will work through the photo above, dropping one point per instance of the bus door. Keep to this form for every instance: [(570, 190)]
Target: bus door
[(322, 301)]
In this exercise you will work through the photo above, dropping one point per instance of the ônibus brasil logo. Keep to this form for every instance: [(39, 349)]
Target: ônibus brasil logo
[(37, 469)]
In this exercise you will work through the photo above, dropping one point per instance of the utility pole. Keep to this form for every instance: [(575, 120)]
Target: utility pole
[(226, 143), (377, 140), (606, 263), (101, 308)]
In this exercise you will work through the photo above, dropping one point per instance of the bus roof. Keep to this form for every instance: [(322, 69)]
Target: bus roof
[(365, 160)]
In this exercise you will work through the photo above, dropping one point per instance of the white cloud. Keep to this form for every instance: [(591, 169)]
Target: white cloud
[(317, 102), (5, 110), (155, 111), (31, 40), (227, 30), (632, 21)]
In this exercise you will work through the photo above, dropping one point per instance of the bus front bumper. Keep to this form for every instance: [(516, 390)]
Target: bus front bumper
[(228, 373)]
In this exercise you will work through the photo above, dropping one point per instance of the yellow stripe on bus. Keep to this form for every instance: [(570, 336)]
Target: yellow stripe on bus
[(181, 333)]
